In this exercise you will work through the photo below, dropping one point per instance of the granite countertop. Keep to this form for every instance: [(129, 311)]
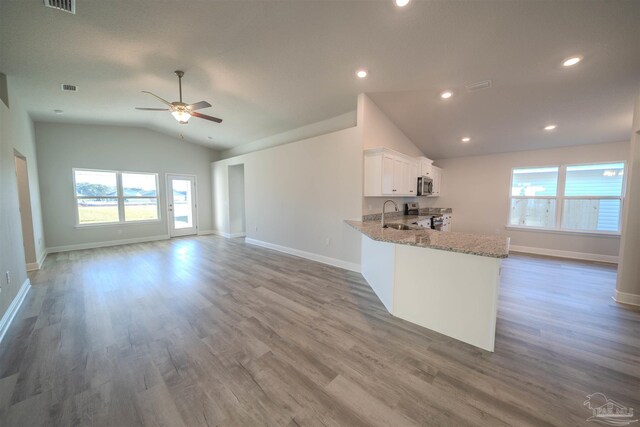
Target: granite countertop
[(466, 243)]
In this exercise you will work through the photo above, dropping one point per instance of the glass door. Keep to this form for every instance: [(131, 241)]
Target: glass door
[(181, 197)]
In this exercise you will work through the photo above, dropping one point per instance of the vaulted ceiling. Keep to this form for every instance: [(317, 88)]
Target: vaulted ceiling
[(271, 66)]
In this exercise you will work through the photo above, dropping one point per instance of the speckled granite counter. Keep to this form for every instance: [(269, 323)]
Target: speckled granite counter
[(474, 244)]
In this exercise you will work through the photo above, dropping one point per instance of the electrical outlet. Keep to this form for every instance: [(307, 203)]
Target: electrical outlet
[(8, 277), (256, 229), (327, 241)]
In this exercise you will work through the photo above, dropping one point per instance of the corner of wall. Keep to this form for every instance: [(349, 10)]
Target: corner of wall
[(16, 134)]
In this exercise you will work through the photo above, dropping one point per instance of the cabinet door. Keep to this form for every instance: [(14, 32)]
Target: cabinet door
[(413, 179), (426, 169), (388, 175), (398, 175), (438, 175)]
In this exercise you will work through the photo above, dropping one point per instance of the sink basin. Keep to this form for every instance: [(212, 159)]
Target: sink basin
[(399, 226)]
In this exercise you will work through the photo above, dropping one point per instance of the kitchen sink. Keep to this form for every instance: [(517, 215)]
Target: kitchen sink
[(399, 226)]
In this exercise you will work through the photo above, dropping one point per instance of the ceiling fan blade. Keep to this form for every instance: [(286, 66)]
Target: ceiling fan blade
[(161, 100), (199, 105), (152, 109), (204, 116)]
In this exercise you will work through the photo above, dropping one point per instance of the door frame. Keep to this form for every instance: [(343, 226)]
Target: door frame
[(26, 213), (168, 176)]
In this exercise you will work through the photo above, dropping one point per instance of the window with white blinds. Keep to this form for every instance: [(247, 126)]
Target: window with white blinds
[(578, 198)]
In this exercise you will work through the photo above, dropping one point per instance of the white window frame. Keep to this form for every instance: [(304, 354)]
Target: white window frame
[(512, 197), (120, 197), (560, 199)]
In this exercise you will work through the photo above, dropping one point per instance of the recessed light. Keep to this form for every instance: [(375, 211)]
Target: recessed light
[(446, 94), (550, 127), (402, 3), (571, 61), (58, 111), (361, 74), (466, 139)]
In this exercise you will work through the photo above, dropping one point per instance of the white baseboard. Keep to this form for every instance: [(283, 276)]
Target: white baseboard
[(33, 266), (626, 298), (205, 232), (11, 312), (221, 233), (228, 235), (308, 255), (94, 245), (564, 254), (43, 256)]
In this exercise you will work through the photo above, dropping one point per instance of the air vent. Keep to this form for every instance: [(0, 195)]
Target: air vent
[(65, 5), (479, 86), (68, 88)]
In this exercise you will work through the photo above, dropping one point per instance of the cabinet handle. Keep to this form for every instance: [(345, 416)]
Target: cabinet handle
[(410, 191), (394, 190)]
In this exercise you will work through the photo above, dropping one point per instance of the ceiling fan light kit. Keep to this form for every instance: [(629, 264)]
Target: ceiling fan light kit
[(181, 111), (181, 116)]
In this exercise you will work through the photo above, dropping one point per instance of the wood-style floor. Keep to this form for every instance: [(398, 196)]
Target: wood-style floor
[(212, 332)]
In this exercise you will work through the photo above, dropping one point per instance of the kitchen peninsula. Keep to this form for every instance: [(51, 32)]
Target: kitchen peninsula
[(445, 281)]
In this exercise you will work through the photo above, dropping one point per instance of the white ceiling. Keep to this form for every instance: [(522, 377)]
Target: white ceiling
[(271, 66)]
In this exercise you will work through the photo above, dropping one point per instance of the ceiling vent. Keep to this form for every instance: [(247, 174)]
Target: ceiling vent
[(479, 86), (65, 5), (68, 88)]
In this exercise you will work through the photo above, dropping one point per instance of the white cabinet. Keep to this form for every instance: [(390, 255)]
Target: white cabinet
[(413, 189), (426, 223), (398, 175), (436, 176), (425, 167), (446, 222), (388, 173)]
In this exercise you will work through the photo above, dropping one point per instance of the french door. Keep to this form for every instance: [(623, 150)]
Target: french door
[(181, 199)]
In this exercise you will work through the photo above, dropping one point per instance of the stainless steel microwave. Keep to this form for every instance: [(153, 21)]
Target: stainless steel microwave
[(425, 186)]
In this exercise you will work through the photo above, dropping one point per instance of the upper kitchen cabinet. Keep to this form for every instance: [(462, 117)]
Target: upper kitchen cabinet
[(435, 173), (426, 167), (389, 173), (436, 176)]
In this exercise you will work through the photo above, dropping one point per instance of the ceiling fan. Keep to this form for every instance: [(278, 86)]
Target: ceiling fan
[(181, 111)]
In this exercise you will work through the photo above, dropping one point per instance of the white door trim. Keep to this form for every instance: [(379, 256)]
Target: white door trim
[(170, 220)]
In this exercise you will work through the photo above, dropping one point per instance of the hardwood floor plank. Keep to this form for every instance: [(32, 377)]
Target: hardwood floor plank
[(207, 331)]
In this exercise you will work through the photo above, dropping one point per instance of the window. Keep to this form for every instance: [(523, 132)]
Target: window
[(533, 197), (111, 197), (593, 197), (584, 198)]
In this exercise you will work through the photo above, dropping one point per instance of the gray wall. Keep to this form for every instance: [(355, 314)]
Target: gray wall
[(477, 188), (62, 147), (236, 200), (299, 194), (16, 133)]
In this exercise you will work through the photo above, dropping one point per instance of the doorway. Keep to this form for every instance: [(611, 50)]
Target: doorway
[(237, 217), (182, 205), (26, 217)]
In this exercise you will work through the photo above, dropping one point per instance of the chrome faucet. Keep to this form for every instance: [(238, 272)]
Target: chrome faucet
[(383, 206)]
